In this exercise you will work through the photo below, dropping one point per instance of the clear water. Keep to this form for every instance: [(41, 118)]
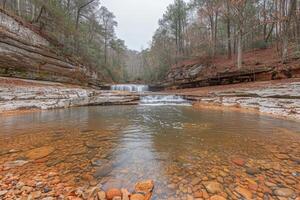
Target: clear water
[(161, 100), (171, 145)]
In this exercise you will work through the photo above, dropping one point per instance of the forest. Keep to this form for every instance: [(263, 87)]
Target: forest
[(80, 28), (212, 28), (188, 29)]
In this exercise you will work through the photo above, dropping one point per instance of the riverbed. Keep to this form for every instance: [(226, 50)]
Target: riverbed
[(188, 153)]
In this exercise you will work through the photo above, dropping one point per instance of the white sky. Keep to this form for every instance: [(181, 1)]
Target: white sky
[(137, 19)]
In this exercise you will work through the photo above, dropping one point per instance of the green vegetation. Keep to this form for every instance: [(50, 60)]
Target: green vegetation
[(81, 28)]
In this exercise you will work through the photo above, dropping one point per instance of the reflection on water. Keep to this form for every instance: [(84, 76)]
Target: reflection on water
[(117, 146)]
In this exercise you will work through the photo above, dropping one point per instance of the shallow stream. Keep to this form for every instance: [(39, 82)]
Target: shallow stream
[(180, 148)]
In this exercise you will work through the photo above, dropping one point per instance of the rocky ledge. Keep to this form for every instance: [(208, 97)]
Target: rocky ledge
[(48, 95), (277, 99)]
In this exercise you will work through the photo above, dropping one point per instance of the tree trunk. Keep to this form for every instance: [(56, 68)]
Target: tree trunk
[(240, 49), (18, 8), (286, 28), (4, 4), (228, 39), (32, 12), (216, 31)]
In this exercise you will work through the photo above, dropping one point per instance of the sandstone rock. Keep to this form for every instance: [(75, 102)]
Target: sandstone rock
[(198, 194), (144, 186), (93, 144), (111, 193), (93, 192), (125, 194), (217, 197), (196, 181), (282, 156), (3, 192), (284, 192), (238, 161), (35, 195), (103, 170), (39, 153), (16, 163), (213, 187), (101, 195), (252, 171), (137, 197), (244, 192)]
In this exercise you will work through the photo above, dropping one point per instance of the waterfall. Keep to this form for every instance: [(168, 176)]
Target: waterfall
[(158, 100), (130, 87)]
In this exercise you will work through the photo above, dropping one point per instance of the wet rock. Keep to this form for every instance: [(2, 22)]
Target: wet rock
[(103, 171), (93, 144), (196, 181), (252, 171), (238, 161), (16, 163), (282, 156), (217, 197), (213, 187), (98, 162), (125, 194), (101, 195), (189, 197), (35, 195), (144, 186), (39, 153), (3, 192), (244, 192), (198, 194), (93, 192), (111, 193), (137, 197), (284, 192), (26, 189)]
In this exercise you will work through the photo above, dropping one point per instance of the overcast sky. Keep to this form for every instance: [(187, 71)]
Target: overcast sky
[(137, 19)]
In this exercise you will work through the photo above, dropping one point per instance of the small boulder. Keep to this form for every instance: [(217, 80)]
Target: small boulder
[(101, 195), (217, 197), (244, 192), (137, 197), (111, 193), (125, 194), (144, 186), (213, 187), (39, 153), (238, 161), (284, 192)]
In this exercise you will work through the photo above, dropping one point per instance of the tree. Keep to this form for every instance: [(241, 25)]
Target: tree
[(108, 23)]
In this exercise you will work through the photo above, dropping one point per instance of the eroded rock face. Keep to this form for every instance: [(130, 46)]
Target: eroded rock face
[(280, 100), (52, 96), (24, 53)]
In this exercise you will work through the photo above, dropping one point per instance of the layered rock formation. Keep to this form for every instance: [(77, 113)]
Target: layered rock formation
[(25, 53), (46, 95), (282, 99), (259, 65)]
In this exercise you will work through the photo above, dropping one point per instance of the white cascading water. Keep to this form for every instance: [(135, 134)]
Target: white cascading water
[(158, 100), (130, 87)]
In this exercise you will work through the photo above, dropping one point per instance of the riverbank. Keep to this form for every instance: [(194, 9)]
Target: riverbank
[(279, 98), (19, 96)]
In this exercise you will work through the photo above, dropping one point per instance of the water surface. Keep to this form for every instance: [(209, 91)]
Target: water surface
[(119, 145)]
